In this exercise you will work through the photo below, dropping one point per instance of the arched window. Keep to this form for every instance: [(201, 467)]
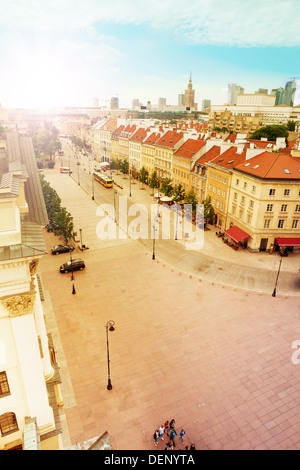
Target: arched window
[(8, 423)]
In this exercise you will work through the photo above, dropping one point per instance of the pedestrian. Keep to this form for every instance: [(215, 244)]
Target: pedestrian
[(155, 437), (173, 433), (192, 447), (167, 427), (161, 432), (169, 445), (182, 434), (172, 424)]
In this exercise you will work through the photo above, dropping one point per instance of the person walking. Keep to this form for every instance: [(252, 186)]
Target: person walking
[(182, 434), (161, 432), (173, 433), (172, 424), (155, 437), (167, 427)]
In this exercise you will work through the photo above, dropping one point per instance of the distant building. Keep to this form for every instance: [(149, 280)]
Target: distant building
[(95, 103), (205, 105), (162, 101), (261, 91), (181, 99), (189, 96), (233, 91), (136, 103), (114, 103), (286, 95)]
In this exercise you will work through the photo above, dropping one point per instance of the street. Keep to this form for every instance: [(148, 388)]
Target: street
[(215, 357)]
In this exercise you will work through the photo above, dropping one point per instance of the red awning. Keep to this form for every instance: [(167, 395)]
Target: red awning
[(288, 241), (237, 234)]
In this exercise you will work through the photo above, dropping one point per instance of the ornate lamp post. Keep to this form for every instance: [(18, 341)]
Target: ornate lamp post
[(109, 326)]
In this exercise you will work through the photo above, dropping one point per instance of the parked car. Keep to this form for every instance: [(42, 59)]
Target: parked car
[(74, 265), (56, 250)]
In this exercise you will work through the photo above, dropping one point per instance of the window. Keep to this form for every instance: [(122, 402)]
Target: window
[(280, 223), (287, 192), (251, 204), (233, 209), (283, 207), (8, 423), (297, 208), (4, 387), (235, 196), (253, 189), (237, 182), (249, 218), (270, 208), (243, 200), (225, 181), (272, 192), (245, 185), (295, 224), (267, 223)]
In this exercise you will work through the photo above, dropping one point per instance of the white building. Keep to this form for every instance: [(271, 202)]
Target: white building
[(27, 418)]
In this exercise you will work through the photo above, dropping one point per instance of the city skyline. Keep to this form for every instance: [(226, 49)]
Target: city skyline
[(57, 54)]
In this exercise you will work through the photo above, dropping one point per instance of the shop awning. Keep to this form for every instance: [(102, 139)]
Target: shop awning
[(288, 241), (237, 234)]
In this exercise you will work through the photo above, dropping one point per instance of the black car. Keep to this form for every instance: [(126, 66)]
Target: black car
[(56, 250), (73, 265)]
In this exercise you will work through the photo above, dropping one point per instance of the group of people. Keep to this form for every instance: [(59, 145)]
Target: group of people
[(169, 429)]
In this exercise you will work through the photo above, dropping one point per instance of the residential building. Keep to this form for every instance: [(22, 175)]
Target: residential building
[(115, 152), (114, 102), (199, 171), (148, 151), (183, 161), (124, 136), (264, 199), (135, 149), (164, 151), (105, 134)]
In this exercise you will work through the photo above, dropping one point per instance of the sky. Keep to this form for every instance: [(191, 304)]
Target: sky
[(68, 52)]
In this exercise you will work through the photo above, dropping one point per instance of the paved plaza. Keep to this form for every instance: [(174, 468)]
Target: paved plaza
[(215, 357)]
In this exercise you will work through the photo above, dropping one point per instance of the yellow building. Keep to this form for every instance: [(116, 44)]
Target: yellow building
[(115, 152), (264, 200), (164, 151), (148, 151), (199, 172), (183, 162), (124, 136)]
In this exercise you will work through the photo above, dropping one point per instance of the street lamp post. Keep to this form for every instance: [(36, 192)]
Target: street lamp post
[(129, 183), (274, 291), (72, 276), (115, 192), (93, 196), (154, 230), (109, 326)]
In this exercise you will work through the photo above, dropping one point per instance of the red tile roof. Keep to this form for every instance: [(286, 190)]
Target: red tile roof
[(230, 158), (152, 138), (139, 135), (170, 139), (117, 132), (272, 165), (190, 148), (262, 143), (210, 155)]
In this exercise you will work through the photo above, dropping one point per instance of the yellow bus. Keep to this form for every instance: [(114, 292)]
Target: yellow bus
[(103, 179)]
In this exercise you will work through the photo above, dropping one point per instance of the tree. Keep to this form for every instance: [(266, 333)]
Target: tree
[(124, 167), (291, 125), (209, 211), (63, 224), (45, 140), (271, 132), (190, 198), (143, 175), (178, 193), (153, 181), (166, 186)]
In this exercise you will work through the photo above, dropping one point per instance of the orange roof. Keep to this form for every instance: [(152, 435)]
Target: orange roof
[(110, 125), (230, 158), (170, 139), (261, 143), (272, 165), (152, 138), (117, 132), (190, 148), (139, 135), (210, 155)]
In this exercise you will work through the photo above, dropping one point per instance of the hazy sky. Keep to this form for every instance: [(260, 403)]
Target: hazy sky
[(67, 52)]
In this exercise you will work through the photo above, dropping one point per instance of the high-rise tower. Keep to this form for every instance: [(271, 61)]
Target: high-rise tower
[(189, 95)]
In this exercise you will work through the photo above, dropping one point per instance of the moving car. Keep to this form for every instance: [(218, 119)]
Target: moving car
[(72, 265), (56, 250)]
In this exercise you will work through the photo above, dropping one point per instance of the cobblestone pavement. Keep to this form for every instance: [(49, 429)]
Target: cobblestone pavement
[(216, 358)]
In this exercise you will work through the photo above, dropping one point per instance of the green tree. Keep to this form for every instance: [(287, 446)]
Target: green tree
[(143, 175), (178, 193), (190, 198), (166, 186), (124, 167), (209, 211), (63, 224), (45, 141), (291, 125), (153, 181), (271, 132)]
